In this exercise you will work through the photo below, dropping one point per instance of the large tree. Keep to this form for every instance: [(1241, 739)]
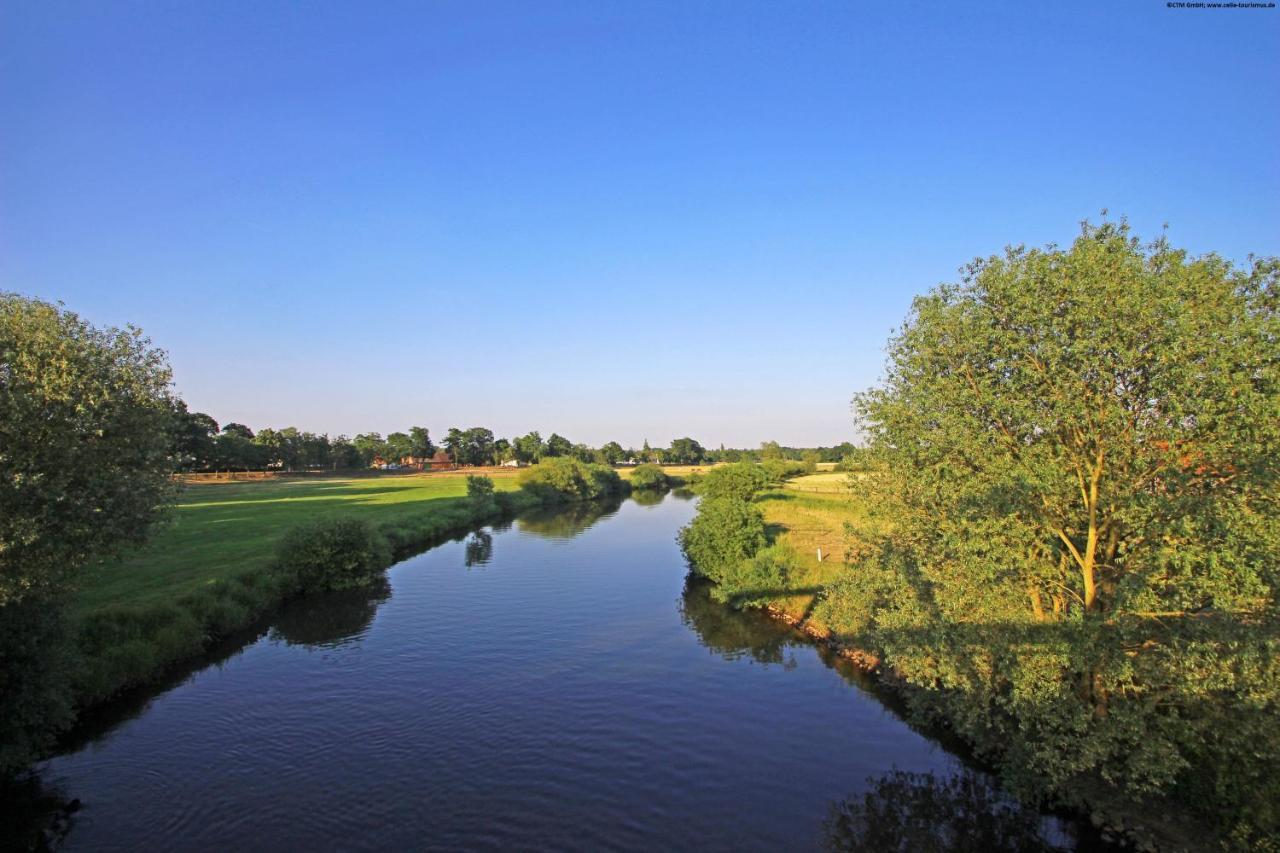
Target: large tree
[(86, 419), (1102, 422), (1077, 450)]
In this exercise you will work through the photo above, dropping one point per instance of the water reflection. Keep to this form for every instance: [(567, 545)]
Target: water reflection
[(734, 634), (33, 814), (648, 497), (478, 549), (330, 620), (569, 520), (922, 812)]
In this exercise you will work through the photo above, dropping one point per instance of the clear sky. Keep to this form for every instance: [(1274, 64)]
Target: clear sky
[(611, 220)]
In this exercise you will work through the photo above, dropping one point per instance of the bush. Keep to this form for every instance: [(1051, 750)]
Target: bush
[(740, 480), (35, 695), (562, 478), (479, 488), (724, 533), (332, 554), (757, 581), (777, 470), (649, 476)]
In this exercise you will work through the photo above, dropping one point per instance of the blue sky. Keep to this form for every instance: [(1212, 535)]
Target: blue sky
[(612, 220)]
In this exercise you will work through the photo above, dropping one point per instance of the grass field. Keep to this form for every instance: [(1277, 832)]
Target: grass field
[(219, 530), (809, 513)]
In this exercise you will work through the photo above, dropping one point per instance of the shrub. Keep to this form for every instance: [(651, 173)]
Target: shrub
[(755, 582), (740, 480), (724, 533), (777, 470), (649, 476), (562, 478), (331, 554), (35, 695), (479, 488)]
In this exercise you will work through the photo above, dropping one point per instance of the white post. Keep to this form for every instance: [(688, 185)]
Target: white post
[(819, 555)]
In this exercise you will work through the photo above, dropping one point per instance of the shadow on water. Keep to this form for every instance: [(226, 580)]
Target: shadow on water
[(899, 811), (330, 620), (922, 812), (566, 521), (34, 815)]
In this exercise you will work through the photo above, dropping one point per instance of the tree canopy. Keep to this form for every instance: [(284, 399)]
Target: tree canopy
[(86, 438)]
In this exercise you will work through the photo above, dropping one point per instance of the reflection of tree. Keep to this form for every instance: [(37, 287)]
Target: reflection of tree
[(479, 549), (920, 812), (330, 620), (565, 521), (33, 815), (648, 497), (734, 633)]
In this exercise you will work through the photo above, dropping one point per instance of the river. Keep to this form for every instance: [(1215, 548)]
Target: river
[(552, 684)]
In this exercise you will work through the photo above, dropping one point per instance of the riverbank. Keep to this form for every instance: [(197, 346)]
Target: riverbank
[(206, 573), (821, 511)]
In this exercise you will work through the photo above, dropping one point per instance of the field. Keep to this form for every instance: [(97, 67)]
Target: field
[(809, 513), (219, 530)]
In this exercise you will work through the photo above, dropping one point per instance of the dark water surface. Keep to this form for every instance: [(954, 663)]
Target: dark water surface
[(551, 686)]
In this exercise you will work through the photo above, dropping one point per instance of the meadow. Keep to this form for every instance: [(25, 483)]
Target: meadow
[(811, 512), (220, 530)]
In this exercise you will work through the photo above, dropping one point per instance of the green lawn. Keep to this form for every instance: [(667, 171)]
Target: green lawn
[(219, 530)]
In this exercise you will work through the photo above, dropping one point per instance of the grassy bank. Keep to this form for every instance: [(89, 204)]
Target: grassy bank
[(208, 572)]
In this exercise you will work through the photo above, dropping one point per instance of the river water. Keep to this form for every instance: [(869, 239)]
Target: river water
[(551, 685)]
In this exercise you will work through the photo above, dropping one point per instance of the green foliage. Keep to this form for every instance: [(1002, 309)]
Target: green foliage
[(685, 451), (1077, 449), (332, 554), (740, 480), (479, 488), (563, 478), (558, 445), (610, 453), (86, 422), (35, 690), (726, 532), (649, 476), (778, 470), (758, 580)]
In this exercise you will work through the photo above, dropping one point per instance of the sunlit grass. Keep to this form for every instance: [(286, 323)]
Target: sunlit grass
[(219, 530), (806, 520)]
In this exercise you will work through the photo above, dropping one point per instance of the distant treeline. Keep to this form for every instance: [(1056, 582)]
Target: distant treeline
[(202, 445)]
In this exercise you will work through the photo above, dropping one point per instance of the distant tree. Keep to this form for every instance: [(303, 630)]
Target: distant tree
[(455, 444), (369, 445), (398, 446), (558, 445), (503, 451), (234, 452), (686, 451), (611, 453), (479, 446), (771, 450), (238, 429), (582, 453), (529, 448), (193, 434), (646, 453), (344, 454), (420, 443)]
